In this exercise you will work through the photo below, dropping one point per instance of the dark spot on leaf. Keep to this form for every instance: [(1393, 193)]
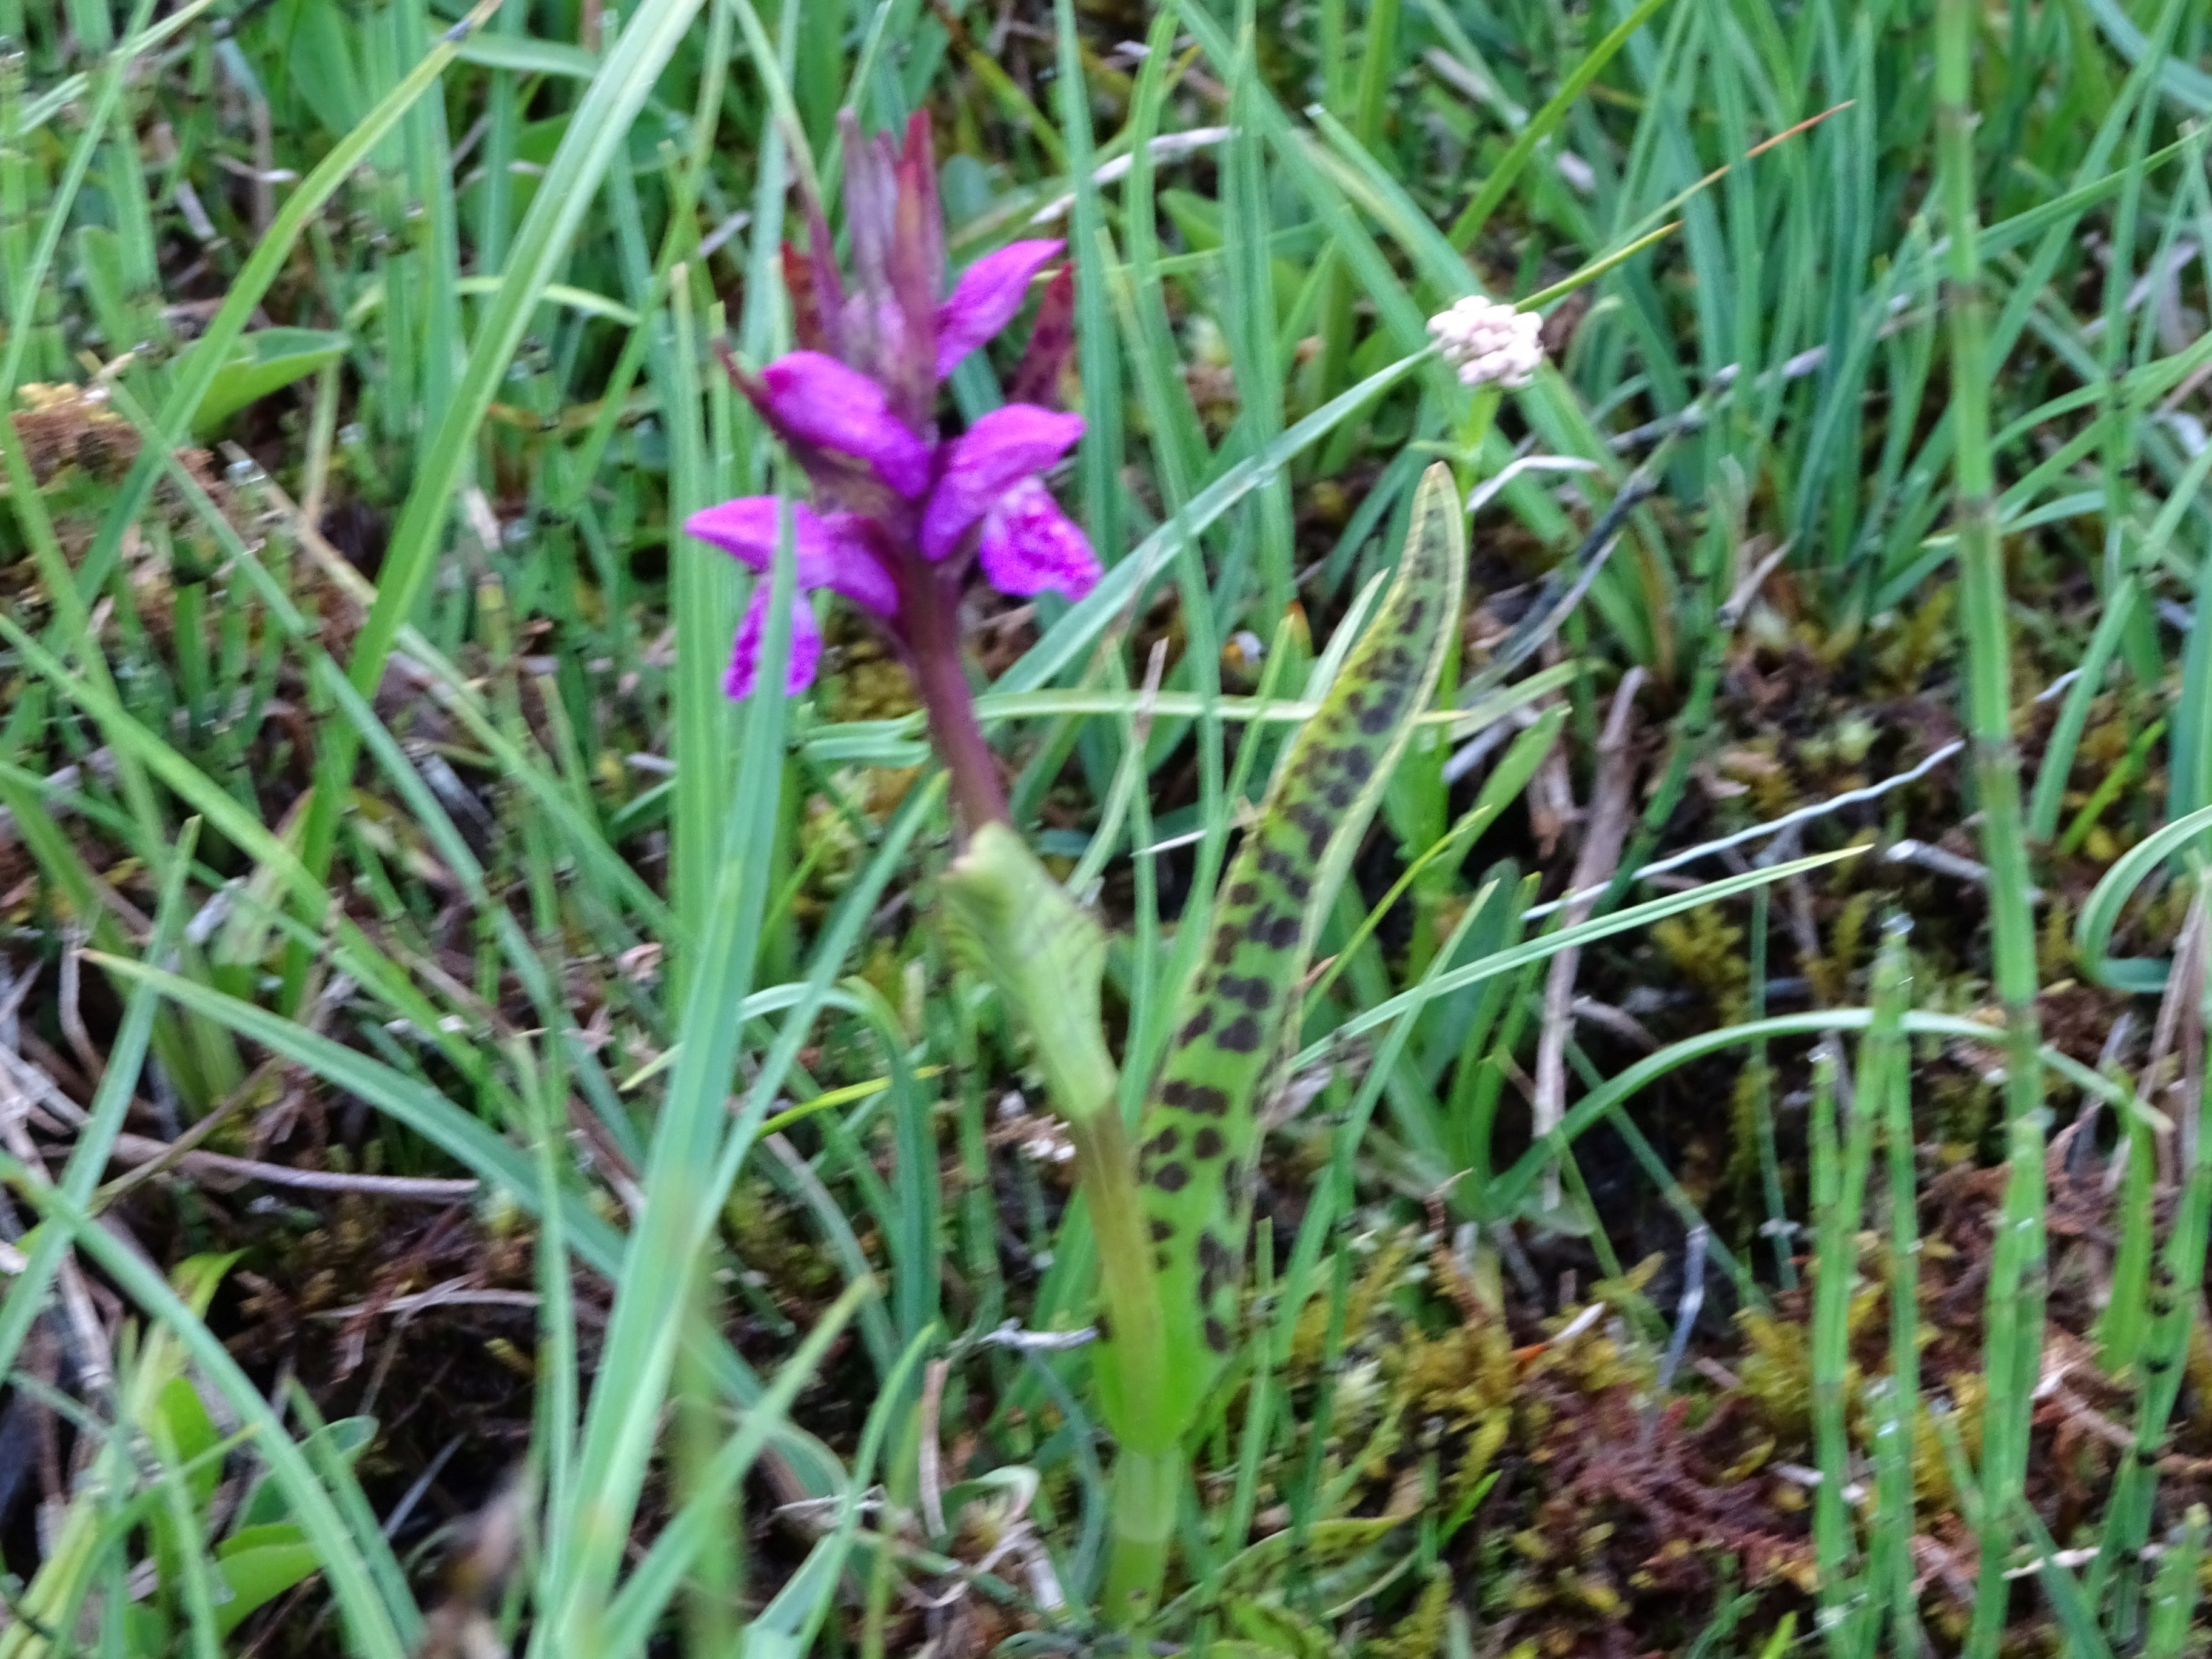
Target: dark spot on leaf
[(1171, 1177), (1376, 720), (1253, 990), (1206, 1142), (1163, 1143), (1196, 1026), (1241, 1036), (1163, 1230), (1225, 947), (1287, 871), (1282, 932), (1175, 1093), (1216, 1337), (1244, 892), (1209, 1101)]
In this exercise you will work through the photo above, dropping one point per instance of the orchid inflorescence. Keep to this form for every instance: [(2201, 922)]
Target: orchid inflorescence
[(899, 514)]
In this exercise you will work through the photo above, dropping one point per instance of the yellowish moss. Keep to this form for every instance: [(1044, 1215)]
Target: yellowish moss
[(1968, 1399), (2106, 738), (1595, 1592), (1625, 1293), (1377, 1281), (1777, 1371), (766, 1243), (2054, 945), (1755, 766), (1756, 1455), (1533, 1546), (1421, 1633), (1705, 948), (1963, 1104), (1831, 972), (1742, 1176), (1914, 641), (872, 685), (1466, 1378)]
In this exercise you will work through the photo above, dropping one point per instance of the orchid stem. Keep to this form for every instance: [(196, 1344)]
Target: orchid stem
[(1046, 956), (932, 633)]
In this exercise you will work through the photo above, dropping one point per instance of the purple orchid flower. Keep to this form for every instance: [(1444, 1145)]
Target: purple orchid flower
[(900, 515)]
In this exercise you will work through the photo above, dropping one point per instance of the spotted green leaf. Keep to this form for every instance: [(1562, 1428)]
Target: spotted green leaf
[(1237, 1014)]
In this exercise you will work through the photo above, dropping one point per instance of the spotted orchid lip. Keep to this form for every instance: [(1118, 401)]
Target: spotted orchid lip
[(1004, 449)]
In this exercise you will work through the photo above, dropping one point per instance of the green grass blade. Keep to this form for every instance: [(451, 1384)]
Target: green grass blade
[(654, 1582), (1543, 124), (584, 1548)]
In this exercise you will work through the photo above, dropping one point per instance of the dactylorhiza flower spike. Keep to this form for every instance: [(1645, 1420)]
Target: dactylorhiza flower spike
[(899, 515)]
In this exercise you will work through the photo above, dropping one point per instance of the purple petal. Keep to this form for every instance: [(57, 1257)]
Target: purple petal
[(744, 654), (1029, 546), (745, 529), (1001, 449), (833, 548), (819, 401), (986, 298), (849, 565)]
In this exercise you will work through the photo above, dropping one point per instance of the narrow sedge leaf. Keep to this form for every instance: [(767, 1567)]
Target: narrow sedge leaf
[(1238, 1012), (2100, 911)]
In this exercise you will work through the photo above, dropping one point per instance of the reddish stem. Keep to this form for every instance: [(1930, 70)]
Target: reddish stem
[(929, 615)]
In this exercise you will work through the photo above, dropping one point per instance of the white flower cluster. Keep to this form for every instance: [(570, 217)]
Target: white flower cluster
[(1489, 341)]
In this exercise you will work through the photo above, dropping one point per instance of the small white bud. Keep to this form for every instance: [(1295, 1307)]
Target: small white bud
[(1489, 341)]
